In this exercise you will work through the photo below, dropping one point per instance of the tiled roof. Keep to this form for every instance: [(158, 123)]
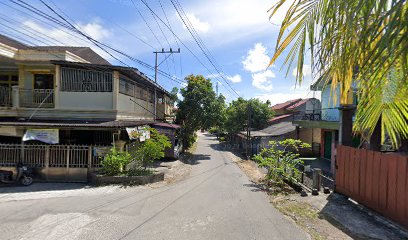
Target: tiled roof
[(286, 104), (11, 42), (84, 52), (280, 117), (298, 104)]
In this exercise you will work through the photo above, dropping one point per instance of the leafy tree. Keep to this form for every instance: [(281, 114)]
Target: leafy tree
[(198, 109), (173, 95), (364, 41), (281, 159), (237, 114)]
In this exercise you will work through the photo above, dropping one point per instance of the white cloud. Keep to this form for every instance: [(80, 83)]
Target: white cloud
[(199, 26), (307, 71), (67, 38), (262, 80), (235, 79), (95, 30), (257, 59)]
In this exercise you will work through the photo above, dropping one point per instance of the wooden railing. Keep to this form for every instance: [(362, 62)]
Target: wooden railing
[(374, 179)]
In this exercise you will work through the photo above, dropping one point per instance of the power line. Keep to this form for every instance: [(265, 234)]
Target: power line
[(199, 41), (175, 35)]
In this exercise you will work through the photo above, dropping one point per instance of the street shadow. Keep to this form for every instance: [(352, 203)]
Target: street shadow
[(228, 147), (357, 221), (194, 159), (40, 187), (255, 187)]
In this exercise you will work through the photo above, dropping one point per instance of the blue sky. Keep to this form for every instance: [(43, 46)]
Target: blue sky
[(238, 34)]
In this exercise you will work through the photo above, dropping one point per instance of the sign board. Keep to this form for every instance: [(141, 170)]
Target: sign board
[(142, 133), (50, 136)]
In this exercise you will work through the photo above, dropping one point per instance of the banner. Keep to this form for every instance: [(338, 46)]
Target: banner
[(142, 133), (50, 136)]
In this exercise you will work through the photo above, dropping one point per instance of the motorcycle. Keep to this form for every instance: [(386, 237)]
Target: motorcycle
[(24, 175)]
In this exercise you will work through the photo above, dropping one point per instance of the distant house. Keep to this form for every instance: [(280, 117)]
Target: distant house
[(326, 120), (280, 127)]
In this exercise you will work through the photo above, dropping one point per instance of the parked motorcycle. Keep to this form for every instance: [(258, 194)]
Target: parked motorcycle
[(24, 175)]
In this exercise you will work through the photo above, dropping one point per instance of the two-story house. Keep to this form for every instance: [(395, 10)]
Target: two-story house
[(326, 120), (72, 90)]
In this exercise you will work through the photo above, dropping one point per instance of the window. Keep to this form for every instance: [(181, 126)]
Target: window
[(43, 81), (8, 80), (80, 80)]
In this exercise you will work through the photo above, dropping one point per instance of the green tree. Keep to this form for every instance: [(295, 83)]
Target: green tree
[(237, 114), (200, 108), (364, 41)]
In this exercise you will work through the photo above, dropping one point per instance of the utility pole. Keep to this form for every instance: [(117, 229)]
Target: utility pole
[(249, 131), (156, 68), (216, 88)]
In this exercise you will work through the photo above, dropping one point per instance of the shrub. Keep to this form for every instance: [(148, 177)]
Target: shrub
[(281, 158), (151, 149), (114, 162)]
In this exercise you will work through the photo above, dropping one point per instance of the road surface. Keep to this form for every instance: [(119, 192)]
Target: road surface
[(216, 201)]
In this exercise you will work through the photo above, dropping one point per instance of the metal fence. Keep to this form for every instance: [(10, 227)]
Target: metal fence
[(32, 98), (81, 80), (5, 96), (310, 176), (65, 156)]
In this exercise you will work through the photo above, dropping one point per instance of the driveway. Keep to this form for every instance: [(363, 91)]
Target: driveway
[(216, 201)]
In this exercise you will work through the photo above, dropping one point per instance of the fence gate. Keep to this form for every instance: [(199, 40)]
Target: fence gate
[(66, 163)]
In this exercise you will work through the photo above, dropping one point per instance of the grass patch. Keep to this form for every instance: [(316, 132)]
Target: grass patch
[(303, 214)]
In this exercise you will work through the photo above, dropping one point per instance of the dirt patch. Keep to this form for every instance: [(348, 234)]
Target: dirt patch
[(308, 218)]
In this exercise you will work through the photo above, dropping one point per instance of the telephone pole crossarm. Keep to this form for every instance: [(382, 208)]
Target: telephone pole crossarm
[(156, 68)]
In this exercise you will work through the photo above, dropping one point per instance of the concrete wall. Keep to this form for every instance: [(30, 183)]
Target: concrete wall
[(86, 100), (141, 109)]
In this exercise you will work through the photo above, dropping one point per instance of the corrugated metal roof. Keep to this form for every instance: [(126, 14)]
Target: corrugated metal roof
[(167, 125), (275, 130), (69, 124)]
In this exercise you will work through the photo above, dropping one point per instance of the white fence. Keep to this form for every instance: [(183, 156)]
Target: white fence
[(53, 162)]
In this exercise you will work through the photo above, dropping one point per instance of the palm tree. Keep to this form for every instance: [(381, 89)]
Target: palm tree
[(361, 41)]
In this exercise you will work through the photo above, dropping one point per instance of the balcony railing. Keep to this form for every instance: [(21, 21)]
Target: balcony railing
[(5, 96), (324, 114), (43, 98)]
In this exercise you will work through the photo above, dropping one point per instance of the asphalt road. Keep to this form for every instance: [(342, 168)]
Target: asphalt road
[(217, 201)]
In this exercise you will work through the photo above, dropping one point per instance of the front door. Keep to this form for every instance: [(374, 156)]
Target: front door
[(327, 145)]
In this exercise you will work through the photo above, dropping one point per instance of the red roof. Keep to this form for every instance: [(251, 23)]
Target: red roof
[(298, 104), (286, 104), (167, 125), (280, 117)]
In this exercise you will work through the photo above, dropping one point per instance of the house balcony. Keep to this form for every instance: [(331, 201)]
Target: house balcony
[(26, 98), (36, 98), (326, 118)]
